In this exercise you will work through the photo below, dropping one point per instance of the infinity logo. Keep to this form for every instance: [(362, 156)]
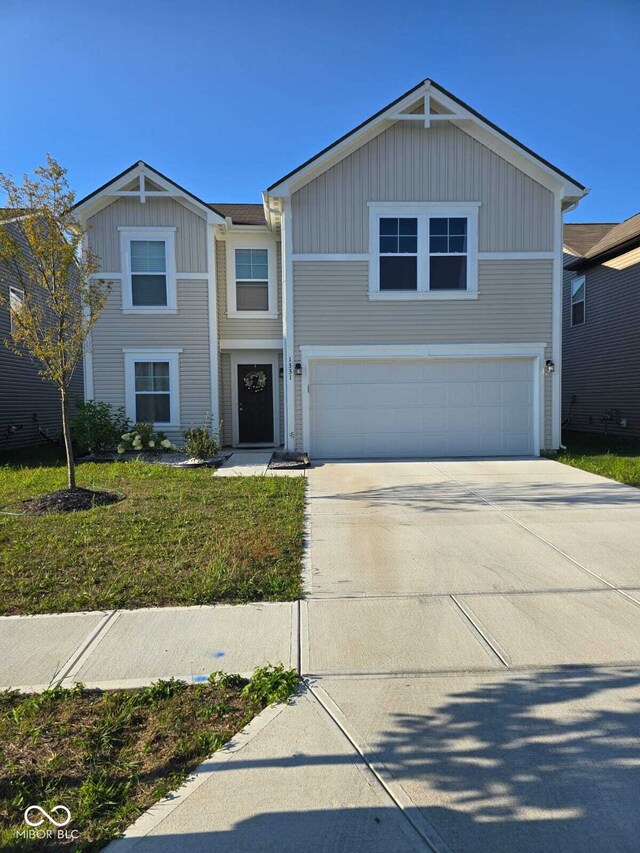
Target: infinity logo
[(46, 815)]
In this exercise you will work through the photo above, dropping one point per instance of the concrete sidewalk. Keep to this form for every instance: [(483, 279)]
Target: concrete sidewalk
[(130, 648), (471, 646)]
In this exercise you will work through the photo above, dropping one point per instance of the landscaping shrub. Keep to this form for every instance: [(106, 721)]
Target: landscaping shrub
[(144, 437), (98, 426), (201, 442)]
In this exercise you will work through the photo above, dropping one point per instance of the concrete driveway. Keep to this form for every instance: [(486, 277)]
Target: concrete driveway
[(474, 628)]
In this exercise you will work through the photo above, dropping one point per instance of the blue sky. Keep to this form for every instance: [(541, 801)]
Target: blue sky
[(226, 97)]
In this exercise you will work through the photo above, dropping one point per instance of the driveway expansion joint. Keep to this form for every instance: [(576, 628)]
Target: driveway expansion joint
[(428, 835)]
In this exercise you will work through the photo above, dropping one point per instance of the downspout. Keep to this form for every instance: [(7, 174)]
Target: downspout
[(287, 327)]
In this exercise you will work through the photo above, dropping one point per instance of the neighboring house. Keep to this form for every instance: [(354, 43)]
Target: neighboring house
[(399, 294), (601, 327), (29, 404)]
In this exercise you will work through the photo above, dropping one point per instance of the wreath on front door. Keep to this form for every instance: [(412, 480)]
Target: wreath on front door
[(255, 381)]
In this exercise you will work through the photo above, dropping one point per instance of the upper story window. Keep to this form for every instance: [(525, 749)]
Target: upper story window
[(251, 276), (16, 304), (448, 253), (578, 293), (252, 279), (398, 253), (148, 267), (423, 251)]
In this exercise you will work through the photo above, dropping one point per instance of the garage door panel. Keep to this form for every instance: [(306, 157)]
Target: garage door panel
[(456, 407)]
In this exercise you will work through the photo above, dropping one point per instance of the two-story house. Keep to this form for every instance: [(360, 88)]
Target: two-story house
[(601, 335), (399, 294)]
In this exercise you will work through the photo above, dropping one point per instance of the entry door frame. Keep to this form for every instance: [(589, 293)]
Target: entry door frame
[(255, 357), (534, 352)]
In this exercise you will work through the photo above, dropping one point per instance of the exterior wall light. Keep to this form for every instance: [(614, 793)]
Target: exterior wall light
[(549, 367), (298, 369)]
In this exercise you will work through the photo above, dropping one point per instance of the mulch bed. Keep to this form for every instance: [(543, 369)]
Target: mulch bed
[(69, 500)]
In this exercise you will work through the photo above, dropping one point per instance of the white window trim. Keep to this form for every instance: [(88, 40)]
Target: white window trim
[(142, 233), (251, 241), (19, 291), (137, 354), (423, 211), (583, 300)]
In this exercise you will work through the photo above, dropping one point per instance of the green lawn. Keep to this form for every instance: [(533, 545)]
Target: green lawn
[(179, 537), (107, 757), (610, 456)]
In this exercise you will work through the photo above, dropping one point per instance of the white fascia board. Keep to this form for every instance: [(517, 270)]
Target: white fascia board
[(470, 124), (106, 196), (285, 188), (508, 150)]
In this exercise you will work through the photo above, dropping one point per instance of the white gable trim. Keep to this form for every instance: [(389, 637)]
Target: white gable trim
[(463, 119), (114, 190)]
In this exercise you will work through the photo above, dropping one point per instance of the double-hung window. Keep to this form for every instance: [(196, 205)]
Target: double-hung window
[(448, 253), (578, 293), (148, 264), (16, 304), (398, 241), (251, 276), (252, 279), (151, 383), (423, 250)]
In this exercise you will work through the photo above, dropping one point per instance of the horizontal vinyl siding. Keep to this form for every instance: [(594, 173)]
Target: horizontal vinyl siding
[(225, 398), (188, 329), (191, 233), (238, 328), (601, 358), (331, 308), (410, 163)]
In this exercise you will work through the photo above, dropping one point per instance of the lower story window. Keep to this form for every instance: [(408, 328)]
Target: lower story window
[(151, 385), (153, 392)]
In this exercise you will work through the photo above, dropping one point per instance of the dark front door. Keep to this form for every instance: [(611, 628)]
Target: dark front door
[(255, 403)]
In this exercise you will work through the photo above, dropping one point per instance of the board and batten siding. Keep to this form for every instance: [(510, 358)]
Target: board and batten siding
[(331, 307), (191, 233), (410, 163), (601, 357)]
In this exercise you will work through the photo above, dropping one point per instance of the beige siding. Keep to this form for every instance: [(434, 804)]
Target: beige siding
[(237, 328), (187, 329), (191, 234), (409, 163), (331, 308), (225, 398)]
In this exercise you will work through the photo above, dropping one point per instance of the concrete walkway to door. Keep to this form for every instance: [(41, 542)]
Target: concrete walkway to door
[(471, 640)]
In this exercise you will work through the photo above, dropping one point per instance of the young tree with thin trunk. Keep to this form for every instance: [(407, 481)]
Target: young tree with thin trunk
[(43, 247)]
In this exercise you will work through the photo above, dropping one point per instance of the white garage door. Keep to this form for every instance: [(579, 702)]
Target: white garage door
[(429, 407)]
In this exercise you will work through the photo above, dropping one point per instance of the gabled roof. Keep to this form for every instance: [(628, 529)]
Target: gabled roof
[(105, 194), (460, 112), (579, 237), (618, 239), (241, 214)]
